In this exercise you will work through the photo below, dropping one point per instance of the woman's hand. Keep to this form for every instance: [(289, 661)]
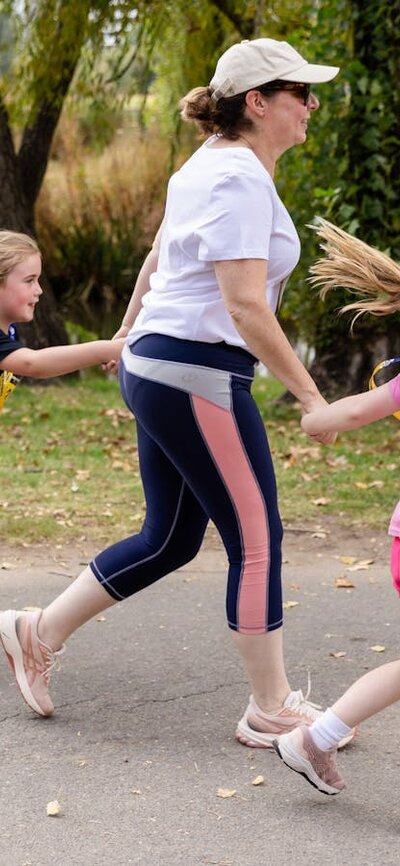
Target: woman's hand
[(317, 422), (122, 332)]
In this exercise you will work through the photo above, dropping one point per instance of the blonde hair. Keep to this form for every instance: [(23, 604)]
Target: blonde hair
[(352, 264), (14, 248)]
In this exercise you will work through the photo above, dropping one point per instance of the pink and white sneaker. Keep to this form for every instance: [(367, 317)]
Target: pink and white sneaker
[(30, 659), (299, 752), (258, 730)]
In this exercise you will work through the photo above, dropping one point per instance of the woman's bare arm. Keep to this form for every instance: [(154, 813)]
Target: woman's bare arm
[(141, 287), (242, 285)]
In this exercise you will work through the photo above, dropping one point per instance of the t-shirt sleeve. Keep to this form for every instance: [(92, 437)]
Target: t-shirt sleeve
[(394, 388), (394, 526), (8, 345), (239, 219)]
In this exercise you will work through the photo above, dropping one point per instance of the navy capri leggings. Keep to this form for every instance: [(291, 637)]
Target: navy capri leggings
[(204, 455)]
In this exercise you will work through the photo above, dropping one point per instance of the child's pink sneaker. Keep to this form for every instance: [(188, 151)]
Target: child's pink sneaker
[(299, 752)]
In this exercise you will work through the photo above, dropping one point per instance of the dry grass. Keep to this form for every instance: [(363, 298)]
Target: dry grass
[(126, 181), (97, 215)]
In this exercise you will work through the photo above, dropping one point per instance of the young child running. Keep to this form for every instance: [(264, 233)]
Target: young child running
[(20, 291), (311, 751)]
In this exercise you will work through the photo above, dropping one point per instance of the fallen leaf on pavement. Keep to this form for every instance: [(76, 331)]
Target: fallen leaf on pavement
[(53, 808), (226, 792), (338, 655), (361, 565), (287, 604), (378, 648), (344, 583), (259, 780)]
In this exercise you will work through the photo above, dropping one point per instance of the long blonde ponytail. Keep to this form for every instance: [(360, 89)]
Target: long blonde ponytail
[(352, 264)]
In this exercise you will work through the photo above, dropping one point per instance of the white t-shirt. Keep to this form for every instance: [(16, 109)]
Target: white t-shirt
[(221, 205)]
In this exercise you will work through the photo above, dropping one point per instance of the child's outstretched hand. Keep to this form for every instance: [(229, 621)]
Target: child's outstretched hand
[(315, 424), (112, 366), (312, 423)]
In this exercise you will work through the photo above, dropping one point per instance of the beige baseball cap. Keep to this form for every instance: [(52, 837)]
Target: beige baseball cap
[(254, 62)]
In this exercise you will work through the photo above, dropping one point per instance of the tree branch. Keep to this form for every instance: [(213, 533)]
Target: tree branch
[(246, 26), (13, 211), (59, 49)]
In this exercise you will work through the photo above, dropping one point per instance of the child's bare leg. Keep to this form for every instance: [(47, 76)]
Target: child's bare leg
[(312, 751), (373, 692), (368, 695), (82, 600)]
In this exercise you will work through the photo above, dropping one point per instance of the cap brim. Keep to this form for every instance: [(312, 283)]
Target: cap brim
[(311, 73)]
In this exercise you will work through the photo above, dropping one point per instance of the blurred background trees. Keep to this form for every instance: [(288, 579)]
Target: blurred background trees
[(90, 131)]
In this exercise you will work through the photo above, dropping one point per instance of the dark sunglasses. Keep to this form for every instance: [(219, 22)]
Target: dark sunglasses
[(301, 90)]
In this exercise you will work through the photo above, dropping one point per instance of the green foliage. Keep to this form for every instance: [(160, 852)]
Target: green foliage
[(6, 40), (98, 120), (348, 171), (193, 36), (51, 36)]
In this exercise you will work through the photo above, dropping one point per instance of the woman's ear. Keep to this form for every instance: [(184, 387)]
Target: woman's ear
[(256, 102)]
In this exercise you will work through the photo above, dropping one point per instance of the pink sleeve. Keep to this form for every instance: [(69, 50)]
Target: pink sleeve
[(394, 528), (394, 388)]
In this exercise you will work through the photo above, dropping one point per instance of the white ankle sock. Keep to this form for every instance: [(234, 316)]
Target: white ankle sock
[(328, 730)]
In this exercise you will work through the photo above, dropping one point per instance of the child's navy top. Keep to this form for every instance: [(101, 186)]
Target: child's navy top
[(9, 342)]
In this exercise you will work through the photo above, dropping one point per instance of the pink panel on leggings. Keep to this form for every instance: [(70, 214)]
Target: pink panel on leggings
[(222, 438), (394, 388)]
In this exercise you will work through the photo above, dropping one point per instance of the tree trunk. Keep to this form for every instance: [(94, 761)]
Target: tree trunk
[(16, 215), (344, 365)]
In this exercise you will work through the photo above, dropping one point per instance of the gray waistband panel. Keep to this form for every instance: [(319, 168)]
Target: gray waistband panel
[(213, 385)]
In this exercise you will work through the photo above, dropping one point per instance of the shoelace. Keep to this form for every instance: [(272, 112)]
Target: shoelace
[(51, 660), (303, 703), (327, 768)]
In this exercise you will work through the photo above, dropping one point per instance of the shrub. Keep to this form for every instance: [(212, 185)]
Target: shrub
[(97, 215)]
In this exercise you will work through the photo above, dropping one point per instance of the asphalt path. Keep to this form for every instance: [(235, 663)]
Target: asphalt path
[(141, 745)]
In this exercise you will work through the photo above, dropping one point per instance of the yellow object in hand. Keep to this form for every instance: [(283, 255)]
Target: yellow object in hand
[(8, 381)]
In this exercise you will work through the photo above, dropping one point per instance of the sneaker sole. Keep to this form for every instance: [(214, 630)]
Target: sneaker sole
[(259, 740), (12, 648), (303, 768), (253, 739)]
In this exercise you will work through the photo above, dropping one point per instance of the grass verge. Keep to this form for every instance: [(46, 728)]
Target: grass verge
[(69, 470)]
